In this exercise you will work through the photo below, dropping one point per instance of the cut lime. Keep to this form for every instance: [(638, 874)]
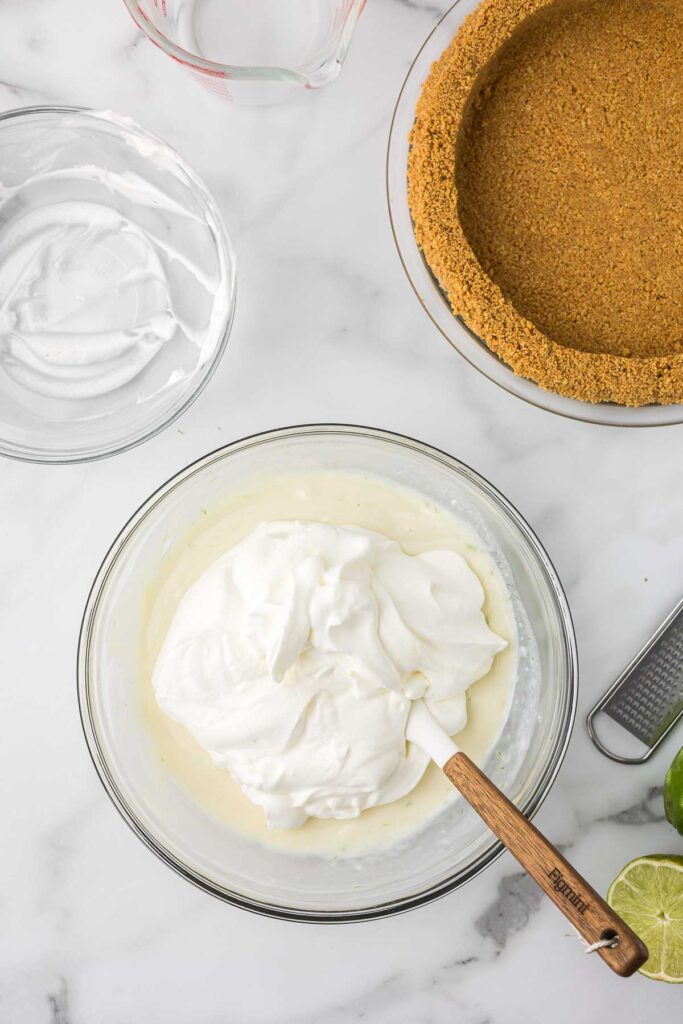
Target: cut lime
[(673, 792), (648, 894)]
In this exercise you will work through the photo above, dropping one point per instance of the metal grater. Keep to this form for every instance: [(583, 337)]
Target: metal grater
[(647, 698)]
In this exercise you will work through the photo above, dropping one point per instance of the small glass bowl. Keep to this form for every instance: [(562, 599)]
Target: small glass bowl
[(444, 854), (257, 52), (426, 287), (161, 224)]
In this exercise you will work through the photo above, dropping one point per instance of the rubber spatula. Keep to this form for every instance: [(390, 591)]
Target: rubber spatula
[(595, 921)]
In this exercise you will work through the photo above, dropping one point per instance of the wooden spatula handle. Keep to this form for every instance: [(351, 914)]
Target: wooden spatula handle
[(586, 910)]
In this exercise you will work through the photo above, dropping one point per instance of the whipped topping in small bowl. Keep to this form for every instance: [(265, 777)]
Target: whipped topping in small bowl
[(116, 284)]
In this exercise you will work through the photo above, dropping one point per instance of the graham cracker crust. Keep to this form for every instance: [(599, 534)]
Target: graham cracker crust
[(545, 182)]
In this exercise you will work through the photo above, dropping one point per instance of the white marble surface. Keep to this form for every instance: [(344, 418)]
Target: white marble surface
[(93, 930)]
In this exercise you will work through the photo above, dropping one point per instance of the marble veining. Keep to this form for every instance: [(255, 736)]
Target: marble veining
[(58, 1001), (518, 899), (93, 929), (644, 812)]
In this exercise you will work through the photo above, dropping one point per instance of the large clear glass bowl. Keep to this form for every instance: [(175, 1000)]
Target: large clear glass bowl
[(426, 287), (447, 852)]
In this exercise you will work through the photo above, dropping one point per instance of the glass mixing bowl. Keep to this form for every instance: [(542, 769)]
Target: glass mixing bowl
[(453, 847), (425, 285), (117, 284)]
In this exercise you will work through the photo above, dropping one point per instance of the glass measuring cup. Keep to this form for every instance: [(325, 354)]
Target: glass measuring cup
[(252, 51)]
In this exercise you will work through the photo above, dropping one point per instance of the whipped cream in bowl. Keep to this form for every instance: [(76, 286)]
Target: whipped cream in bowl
[(116, 284), (294, 658), (253, 644)]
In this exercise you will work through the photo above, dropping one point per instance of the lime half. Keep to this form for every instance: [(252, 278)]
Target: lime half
[(648, 894)]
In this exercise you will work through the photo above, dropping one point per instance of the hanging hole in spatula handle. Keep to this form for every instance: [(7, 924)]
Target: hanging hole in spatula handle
[(593, 918)]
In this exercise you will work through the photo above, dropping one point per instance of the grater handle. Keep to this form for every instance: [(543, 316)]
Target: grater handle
[(612, 754), (662, 656), (596, 922)]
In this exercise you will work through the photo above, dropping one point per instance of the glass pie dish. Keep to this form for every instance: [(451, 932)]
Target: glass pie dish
[(452, 847), (433, 299)]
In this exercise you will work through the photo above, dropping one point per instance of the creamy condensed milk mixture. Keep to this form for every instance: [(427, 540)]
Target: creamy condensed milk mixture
[(286, 642)]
